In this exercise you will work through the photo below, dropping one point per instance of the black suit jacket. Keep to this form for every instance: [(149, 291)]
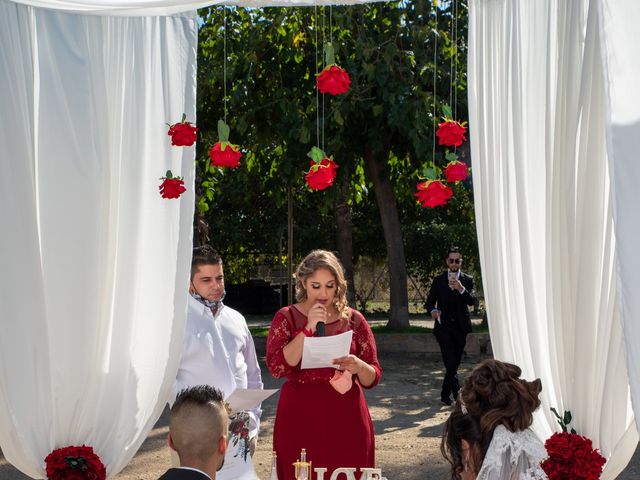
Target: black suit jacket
[(183, 474), (453, 304)]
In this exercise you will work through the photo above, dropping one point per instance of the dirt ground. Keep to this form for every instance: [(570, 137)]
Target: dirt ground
[(406, 413)]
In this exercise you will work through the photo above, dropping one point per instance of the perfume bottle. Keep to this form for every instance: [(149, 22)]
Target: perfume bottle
[(274, 467), (302, 467)]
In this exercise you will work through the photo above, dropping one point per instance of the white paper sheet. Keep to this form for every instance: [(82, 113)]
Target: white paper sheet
[(319, 352), (247, 398)]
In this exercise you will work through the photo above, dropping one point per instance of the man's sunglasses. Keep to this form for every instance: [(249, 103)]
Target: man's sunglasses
[(454, 260)]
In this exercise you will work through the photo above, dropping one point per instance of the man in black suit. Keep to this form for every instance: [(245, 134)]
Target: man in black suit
[(198, 424), (449, 297)]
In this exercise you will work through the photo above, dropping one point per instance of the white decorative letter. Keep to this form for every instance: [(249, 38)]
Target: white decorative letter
[(370, 473), (349, 473), (320, 471)]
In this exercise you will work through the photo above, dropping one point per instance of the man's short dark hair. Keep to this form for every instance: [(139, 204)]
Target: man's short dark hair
[(454, 249), (204, 255), (199, 395)]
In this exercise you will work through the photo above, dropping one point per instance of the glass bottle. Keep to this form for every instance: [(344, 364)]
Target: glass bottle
[(274, 467)]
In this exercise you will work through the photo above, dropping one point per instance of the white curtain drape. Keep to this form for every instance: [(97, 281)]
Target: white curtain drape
[(544, 211), (94, 264), (620, 21)]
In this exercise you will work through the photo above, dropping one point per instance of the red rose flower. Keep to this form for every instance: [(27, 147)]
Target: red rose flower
[(333, 80), (433, 193), (572, 456), (171, 187), (182, 134), (224, 154), (74, 463), (455, 171), (451, 133), (321, 175)]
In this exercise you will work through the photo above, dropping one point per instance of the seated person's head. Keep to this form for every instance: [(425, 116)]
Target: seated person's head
[(492, 394), (198, 424)]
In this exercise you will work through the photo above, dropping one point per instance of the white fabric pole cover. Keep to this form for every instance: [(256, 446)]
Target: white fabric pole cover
[(544, 213), (620, 20), (94, 264)]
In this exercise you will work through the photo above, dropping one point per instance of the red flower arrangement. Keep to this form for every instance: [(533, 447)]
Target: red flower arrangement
[(322, 171), (451, 133), (171, 187), (224, 153), (332, 79), (183, 134), (455, 171), (571, 456), (74, 463), (433, 193)]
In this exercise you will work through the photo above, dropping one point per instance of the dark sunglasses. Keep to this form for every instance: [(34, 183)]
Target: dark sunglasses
[(454, 260)]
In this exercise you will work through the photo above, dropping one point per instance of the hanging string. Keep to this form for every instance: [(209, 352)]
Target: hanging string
[(315, 30), (451, 43), (224, 63), (435, 58), (323, 66), (455, 68)]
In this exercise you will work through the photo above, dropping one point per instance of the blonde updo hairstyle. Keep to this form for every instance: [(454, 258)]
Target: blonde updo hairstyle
[(314, 261)]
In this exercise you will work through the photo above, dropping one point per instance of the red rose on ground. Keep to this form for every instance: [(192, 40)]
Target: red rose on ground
[(455, 171), (433, 193), (224, 154), (321, 175), (333, 80), (451, 133), (171, 187), (74, 463), (182, 134)]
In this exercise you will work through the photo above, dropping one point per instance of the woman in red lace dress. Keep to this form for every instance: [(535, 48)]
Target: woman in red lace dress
[(335, 428)]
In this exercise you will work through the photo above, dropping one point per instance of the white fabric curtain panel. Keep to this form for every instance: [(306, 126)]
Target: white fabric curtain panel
[(544, 211), (94, 263), (620, 20)]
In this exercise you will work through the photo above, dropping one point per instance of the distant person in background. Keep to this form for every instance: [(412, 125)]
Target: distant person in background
[(487, 436), (449, 297), (322, 410), (219, 350), (198, 425)]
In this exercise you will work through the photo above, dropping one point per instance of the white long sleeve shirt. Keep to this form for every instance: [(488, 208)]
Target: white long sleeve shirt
[(219, 351)]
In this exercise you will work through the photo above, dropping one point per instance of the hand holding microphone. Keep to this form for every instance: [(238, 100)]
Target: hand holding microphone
[(317, 318)]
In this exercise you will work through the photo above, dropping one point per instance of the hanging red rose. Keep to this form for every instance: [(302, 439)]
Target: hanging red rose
[(333, 80), (451, 133), (74, 463), (171, 187), (433, 193), (455, 171), (183, 134), (322, 171), (225, 154)]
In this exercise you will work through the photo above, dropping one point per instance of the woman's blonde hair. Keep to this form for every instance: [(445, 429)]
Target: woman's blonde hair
[(314, 261)]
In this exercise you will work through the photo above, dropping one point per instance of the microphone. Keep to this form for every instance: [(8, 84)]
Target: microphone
[(320, 329)]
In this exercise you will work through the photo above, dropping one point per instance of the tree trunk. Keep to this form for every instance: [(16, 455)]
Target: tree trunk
[(385, 198), (344, 235)]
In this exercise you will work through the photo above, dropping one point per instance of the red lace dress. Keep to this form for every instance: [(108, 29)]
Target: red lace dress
[(335, 429)]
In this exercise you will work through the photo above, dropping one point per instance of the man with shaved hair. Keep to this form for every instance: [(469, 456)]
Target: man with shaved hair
[(198, 425)]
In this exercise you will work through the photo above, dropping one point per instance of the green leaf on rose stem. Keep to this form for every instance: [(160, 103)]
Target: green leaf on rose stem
[(567, 417), (451, 157), (184, 117), (316, 154), (573, 430), (329, 54), (555, 412), (223, 131), (168, 174), (429, 173), (446, 111)]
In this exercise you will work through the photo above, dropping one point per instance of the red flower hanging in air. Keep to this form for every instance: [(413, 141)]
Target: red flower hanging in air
[(74, 463), (171, 187), (451, 133), (433, 193), (183, 134), (455, 171), (332, 79), (322, 172), (224, 153)]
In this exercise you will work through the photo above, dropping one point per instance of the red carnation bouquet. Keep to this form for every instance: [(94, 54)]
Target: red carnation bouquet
[(171, 187), (183, 133), (332, 79), (224, 153), (571, 456), (322, 171), (74, 463)]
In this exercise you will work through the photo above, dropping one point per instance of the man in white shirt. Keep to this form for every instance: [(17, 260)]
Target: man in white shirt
[(198, 425), (219, 350)]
